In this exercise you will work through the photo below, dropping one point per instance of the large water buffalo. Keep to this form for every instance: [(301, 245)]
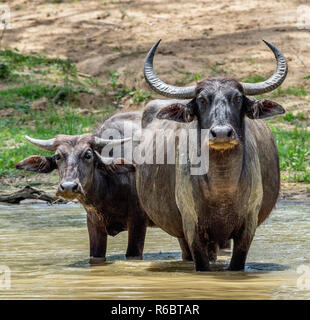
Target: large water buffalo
[(107, 191), (241, 187)]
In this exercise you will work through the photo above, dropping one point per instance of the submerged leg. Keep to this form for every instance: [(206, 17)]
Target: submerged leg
[(198, 245), (186, 253), (136, 238), (200, 256), (97, 237), (242, 243)]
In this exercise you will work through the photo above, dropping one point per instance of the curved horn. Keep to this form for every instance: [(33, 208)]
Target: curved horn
[(100, 142), (275, 80), (43, 144), (158, 85)]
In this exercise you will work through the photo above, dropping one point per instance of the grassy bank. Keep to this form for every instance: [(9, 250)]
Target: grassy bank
[(43, 125), (40, 97)]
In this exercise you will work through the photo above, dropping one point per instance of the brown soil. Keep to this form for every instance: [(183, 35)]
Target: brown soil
[(213, 38)]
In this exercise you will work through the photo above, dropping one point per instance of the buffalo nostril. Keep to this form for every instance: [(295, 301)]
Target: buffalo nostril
[(222, 133), (69, 186), (213, 133)]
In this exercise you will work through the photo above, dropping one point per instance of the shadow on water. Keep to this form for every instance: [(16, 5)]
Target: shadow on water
[(171, 262), (182, 266), (121, 257)]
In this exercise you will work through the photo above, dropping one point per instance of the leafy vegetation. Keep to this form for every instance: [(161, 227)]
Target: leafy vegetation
[(298, 92), (44, 125), (294, 151), (188, 77), (254, 78), (120, 91), (289, 117)]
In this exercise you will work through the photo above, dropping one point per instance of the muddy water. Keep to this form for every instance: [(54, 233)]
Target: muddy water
[(46, 249)]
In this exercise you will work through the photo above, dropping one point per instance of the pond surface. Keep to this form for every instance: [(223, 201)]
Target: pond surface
[(46, 249)]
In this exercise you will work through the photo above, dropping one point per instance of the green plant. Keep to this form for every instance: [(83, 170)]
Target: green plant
[(254, 78), (289, 117), (4, 71), (121, 91), (299, 92), (294, 151), (188, 77), (139, 95), (44, 124), (113, 78)]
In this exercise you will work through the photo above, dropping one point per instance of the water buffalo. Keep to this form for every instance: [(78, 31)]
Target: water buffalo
[(241, 187), (107, 191)]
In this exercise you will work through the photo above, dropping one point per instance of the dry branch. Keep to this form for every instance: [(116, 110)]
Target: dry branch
[(30, 193)]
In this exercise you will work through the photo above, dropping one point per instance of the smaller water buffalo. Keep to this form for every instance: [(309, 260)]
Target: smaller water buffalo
[(107, 191)]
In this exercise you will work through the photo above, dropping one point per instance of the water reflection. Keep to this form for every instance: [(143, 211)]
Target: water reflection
[(46, 248)]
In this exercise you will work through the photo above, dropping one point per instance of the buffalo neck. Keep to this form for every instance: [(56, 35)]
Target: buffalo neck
[(225, 169), (99, 193)]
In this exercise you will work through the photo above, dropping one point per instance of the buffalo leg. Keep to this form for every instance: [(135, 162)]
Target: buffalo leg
[(213, 249), (136, 237), (240, 251), (198, 246), (97, 238), (200, 256), (186, 253)]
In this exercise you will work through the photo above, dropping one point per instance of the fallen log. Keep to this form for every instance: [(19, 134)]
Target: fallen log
[(30, 193)]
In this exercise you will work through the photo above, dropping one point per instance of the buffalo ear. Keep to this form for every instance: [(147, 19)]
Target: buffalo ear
[(37, 164), (177, 112), (112, 166), (260, 109), (121, 167)]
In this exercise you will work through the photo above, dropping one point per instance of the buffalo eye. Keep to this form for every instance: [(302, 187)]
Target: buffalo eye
[(237, 99), (203, 103), (57, 156), (202, 100), (88, 155)]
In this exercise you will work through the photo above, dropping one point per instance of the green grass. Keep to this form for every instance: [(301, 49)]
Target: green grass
[(120, 91), (188, 77), (42, 125), (289, 117), (17, 67), (254, 79), (298, 92), (31, 77), (294, 151)]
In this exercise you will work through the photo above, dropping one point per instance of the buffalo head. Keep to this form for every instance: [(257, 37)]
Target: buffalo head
[(219, 104), (76, 158)]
